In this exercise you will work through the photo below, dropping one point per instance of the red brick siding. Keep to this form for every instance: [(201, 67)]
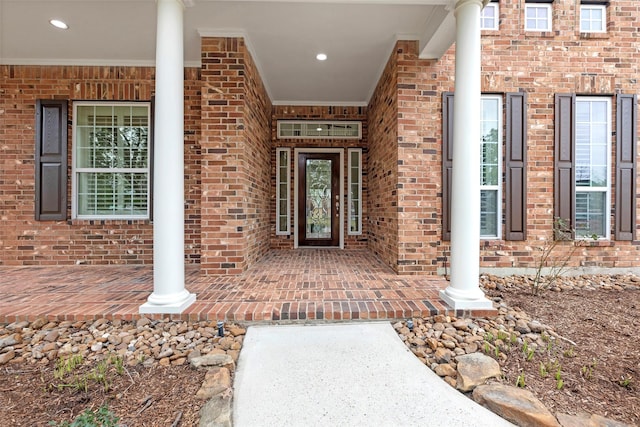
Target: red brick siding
[(24, 241), (235, 158), (329, 113), (383, 166), (512, 60)]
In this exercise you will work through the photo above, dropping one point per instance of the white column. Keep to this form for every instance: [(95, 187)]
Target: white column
[(169, 293), (464, 290)]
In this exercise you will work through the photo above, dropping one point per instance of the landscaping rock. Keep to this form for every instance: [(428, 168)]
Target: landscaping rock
[(217, 412), (212, 360), (475, 369), (517, 405), (216, 381), (586, 420)]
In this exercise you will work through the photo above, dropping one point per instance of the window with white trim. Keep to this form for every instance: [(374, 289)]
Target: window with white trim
[(593, 18), (355, 190), (111, 159), (283, 179), (593, 167), (489, 17), (490, 166), (537, 16)]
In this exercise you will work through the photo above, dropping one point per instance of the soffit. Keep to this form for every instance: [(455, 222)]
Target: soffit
[(283, 36)]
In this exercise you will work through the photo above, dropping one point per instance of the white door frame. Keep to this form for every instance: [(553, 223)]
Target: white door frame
[(297, 152)]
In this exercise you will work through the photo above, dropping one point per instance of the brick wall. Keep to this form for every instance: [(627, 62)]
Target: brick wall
[(235, 158), (329, 113), (541, 64), (383, 165), (24, 241)]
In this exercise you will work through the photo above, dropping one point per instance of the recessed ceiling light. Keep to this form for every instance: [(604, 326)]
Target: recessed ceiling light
[(59, 24), (321, 57), (319, 129)]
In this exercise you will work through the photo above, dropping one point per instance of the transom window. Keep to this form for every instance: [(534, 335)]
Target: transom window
[(490, 166), (537, 17), (593, 160), (111, 160), (489, 17), (593, 18)]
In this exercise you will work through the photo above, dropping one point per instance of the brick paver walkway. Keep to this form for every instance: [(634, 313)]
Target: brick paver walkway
[(302, 284)]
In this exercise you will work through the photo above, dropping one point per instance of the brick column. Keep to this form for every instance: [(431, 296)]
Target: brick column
[(169, 293), (464, 291)]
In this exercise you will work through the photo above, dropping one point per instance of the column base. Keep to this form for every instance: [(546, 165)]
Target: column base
[(174, 304), (461, 301)]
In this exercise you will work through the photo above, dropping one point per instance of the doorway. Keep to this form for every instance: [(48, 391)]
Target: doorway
[(319, 197)]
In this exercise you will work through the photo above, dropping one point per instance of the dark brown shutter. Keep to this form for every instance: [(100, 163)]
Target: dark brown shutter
[(626, 137), (51, 160), (516, 167), (447, 162), (564, 172)]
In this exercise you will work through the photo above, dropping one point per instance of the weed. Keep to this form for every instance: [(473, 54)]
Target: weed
[(626, 382), (569, 353), (520, 380), (66, 366), (529, 354), (559, 380), (88, 418), (486, 348), (544, 372), (489, 337), (587, 370), (502, 335)]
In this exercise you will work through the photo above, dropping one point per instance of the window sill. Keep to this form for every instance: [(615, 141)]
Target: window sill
[(109, 221), (594, 243), (594, 36)]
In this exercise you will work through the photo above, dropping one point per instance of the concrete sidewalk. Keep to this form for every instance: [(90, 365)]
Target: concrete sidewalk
[(354, 374)]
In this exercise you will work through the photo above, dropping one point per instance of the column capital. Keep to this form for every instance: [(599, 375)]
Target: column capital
[(458, 4)]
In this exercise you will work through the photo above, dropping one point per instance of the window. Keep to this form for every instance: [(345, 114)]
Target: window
[(537, 17), (489, 17), (296, 129), (593, 160), (283, 178), (490, 165), (355, 190), (495, 149), (111, 160), (593, 18)]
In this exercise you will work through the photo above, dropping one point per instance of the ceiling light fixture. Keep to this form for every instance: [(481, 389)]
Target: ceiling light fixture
[(59, 24), (321, 57)]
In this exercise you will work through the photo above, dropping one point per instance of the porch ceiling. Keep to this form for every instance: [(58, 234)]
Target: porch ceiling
[(284, 38)]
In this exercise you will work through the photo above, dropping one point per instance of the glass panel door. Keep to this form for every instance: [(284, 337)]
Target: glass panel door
[(319, 199)]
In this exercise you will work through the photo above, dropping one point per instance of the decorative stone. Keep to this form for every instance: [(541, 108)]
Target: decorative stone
[(514, 404), (212, 360), (216, 380), (584, 420), (442, 355), (474, 369), (445, 370), (6, 357), (217, 411)]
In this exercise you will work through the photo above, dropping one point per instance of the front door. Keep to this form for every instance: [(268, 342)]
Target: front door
[(319, 199)]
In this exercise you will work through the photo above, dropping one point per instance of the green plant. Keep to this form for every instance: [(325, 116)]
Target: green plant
[(626, 381), (66, 366), (551, 266), (587, 370), (502, 335), (529, 354), (520, 380), (569, 352), (559, 380), (486, 347), (489, 337), (102, 417), (544, 372)]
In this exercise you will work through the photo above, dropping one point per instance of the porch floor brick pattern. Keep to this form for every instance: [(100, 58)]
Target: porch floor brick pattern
[(285, 285)]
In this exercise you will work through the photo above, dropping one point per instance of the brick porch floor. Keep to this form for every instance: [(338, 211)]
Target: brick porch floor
[(302, 284)]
